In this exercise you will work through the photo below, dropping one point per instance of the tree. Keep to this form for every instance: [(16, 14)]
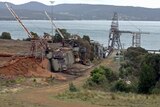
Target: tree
[(150, 73), (122, 86), (35, 35), (134, 53), (85, 44), (133, 59), (5, 35), (58, 38), (146, 80), (86, 37)]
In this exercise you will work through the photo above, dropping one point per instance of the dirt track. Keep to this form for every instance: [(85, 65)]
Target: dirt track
[(45, 96)]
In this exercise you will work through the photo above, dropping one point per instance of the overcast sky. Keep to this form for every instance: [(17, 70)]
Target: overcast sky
[(141, 3)]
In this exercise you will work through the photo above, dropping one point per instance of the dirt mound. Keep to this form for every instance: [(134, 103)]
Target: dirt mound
[(6, 55), (27, 67)]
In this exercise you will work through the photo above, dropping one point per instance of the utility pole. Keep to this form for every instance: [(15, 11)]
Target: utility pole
[(52, 2)]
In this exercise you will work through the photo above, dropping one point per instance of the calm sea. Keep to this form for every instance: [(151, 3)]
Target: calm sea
[(97, 30)]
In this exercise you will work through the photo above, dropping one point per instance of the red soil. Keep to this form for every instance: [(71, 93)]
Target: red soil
[(27, 67), (5, 55)]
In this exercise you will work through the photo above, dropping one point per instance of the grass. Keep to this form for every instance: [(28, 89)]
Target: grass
[(111, 99), (7, 100)]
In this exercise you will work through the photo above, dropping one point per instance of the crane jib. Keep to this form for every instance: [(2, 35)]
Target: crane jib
[(18, 19), (53, 24)]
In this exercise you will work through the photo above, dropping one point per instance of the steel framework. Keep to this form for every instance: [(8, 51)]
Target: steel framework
[(114, 41), (114, 35)]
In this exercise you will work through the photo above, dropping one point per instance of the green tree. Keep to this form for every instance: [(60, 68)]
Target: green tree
[(122, 86), (109, 74), (58, 38), (5, 35), (86, 37), (103, 74), (97, 76), (146, 80), (133, 59), (35, 35), (150, 73)]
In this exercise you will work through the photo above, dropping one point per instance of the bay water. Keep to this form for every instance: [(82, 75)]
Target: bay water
[(97, 30)]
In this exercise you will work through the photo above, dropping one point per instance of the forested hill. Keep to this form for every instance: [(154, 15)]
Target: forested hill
[(35, 11)]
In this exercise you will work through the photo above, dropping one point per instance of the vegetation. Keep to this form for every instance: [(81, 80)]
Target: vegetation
[(86, 52), (35, 36), (86, 37), (58, 38), (105, 87), (108, 99), (121, 86), (133, 58), (150, 73), (10, 82), (5, 35), (101, 78), (142, 69), (139, 73), (72, 87)]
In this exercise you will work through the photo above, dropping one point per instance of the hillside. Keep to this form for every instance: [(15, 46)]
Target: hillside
[(35, 10)]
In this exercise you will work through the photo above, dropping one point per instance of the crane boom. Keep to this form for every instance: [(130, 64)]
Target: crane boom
[(18, 19), (53, 24), (35, 42)]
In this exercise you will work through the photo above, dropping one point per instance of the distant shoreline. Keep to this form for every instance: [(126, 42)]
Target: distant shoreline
[(78, 20)]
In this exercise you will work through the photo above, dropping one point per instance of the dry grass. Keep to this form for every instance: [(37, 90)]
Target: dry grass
[(7, 100), (112, 99), (16, 46)]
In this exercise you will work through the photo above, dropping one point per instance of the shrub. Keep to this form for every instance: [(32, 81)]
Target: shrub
[(89, 84), (125, 70), (27, 39), (101, 78), (155, 91), (5, 35), (121, 86), (97, 76), (109, 74), (72, 87), (101, 74)]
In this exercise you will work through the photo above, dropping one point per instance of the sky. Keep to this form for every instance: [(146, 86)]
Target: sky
[(139, 3)]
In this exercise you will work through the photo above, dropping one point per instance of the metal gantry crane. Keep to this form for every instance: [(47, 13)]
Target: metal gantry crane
[(114, 36), (35, 42)]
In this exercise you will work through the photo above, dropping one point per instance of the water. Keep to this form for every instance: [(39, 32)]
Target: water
[(97, 30)]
